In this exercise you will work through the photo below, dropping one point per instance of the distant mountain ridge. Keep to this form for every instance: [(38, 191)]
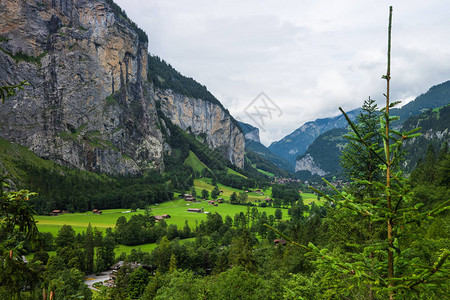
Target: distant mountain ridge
[(437, 96), (253, 144), (297, 142), (322, 157)]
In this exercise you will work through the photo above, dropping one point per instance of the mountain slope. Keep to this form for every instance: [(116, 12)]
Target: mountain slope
[(436, 96), (322, 156), (297, 142)]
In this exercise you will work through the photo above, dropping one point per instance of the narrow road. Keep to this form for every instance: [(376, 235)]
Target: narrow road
[(91, 279)]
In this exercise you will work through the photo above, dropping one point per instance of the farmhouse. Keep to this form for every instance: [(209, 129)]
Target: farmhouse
[(55, 212), (162, 217), (196, 210), (158, 218)]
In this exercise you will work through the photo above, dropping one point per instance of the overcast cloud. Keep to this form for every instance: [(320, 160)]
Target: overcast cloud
[(309, 57)]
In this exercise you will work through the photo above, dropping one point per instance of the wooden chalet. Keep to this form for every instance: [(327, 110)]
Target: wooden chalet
[(158, 218), (55, 212), (196, 210)]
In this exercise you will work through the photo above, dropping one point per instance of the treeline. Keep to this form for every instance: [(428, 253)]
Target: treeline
[(164, 76), (72, 190), (118, 11)]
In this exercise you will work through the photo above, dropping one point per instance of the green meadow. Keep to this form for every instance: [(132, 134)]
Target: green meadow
[(177, 209)]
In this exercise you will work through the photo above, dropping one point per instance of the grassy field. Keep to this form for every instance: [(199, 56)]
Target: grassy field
[(177, 209)]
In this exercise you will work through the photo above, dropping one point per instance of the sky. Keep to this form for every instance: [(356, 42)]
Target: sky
[(278, 64)]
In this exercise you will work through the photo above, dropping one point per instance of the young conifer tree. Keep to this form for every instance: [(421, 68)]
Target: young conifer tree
[(385, 268)]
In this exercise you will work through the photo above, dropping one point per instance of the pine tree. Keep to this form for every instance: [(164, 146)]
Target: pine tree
[(89, 249)]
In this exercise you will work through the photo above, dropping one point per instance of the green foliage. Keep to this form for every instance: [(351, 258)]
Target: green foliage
[(278, 214), (359, 160), (137, 282), (17, 228), (205, 194), (215, 192), (383, 266), (7, 91), (20, 56)]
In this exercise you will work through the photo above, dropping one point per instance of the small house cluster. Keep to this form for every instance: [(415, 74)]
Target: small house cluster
[(212, 202), (96, 211), (281, 180)]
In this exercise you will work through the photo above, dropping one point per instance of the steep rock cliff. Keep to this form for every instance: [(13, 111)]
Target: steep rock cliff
[(206, 119), (88, 104), (251, 133)]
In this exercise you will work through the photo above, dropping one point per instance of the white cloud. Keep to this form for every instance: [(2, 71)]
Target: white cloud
[(310, 57)]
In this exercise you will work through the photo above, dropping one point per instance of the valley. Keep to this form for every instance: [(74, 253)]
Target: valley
[(111, 160)]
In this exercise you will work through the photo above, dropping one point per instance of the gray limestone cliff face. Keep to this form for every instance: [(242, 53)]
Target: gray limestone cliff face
[(307, 163), (86, 105), (199, 117), (253, 135)]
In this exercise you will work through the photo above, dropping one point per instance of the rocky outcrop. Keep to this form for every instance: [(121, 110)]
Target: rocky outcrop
[(307, 163), (251, 133), (208, 119), (86, 104)]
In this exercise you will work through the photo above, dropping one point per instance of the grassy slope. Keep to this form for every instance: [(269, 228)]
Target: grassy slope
[(233, 172), (193, 161), (11, 154)]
